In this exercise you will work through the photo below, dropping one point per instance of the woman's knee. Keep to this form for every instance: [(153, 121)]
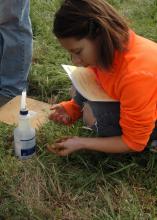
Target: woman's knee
[(72, 92), (88, 116), (103, 118)]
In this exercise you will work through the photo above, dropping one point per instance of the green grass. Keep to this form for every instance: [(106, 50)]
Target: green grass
[(86, 185)]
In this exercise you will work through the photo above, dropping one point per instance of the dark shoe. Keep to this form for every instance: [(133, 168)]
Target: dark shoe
[(4, 100)]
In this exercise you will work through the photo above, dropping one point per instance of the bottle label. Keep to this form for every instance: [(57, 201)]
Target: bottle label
[(27, 152), (28, 147)]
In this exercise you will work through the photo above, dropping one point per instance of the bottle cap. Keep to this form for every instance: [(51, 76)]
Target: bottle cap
[(24, 112)]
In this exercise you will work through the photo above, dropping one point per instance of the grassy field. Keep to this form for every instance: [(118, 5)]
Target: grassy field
[(86, 185)]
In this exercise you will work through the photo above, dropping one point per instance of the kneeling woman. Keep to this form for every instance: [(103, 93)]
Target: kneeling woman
[(125, 66)]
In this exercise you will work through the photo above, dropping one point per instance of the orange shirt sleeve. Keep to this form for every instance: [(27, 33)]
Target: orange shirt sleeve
[(72, 109), (138, 98)]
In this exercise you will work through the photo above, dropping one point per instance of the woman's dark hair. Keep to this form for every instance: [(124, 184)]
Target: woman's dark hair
[(95, 20)]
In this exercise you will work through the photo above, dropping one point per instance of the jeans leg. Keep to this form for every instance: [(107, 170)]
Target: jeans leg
[(79, 99), (15, 46), (1, 47)]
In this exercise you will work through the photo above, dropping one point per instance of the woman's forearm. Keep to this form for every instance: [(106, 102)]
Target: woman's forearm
[(105, 144)]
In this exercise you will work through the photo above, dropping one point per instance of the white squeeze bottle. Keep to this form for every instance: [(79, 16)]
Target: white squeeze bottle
[(24, 134)]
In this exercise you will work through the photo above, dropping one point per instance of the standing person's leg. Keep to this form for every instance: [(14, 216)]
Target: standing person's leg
[(15, 47)]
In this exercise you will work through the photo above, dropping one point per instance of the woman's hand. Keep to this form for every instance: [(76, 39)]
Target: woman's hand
[(65, 146), (59, 114), (68, 145)]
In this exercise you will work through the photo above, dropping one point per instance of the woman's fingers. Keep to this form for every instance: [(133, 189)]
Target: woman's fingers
[(65, 119), (59, 119), (55, 115), (58, 109), (58, 149), (59, 114), (51, 148), (56, 106), (55, 148), (62, 139)]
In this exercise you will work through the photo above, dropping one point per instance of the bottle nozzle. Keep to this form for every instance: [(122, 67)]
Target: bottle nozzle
[(23, 100), (23, 108)]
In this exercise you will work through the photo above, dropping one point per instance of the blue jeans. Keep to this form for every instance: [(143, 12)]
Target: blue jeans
[(15, 46), (107, 116)]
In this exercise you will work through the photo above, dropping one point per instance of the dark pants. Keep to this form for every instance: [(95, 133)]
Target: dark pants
[(107, 116)]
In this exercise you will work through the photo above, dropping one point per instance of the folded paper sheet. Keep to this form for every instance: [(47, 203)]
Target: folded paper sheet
[(84, 80), (9, 113)]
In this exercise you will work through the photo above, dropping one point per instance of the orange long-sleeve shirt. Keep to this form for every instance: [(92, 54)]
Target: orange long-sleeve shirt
[(133, 82)]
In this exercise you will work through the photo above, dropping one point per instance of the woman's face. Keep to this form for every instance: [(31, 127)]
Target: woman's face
[(83, 52)]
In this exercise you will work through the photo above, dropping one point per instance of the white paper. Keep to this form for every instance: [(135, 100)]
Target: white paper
[(84, 80)]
